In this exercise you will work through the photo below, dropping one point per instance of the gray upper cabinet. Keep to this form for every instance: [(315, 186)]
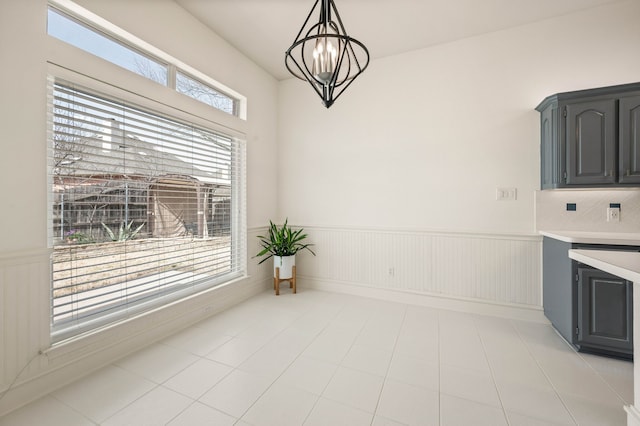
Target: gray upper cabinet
[(552, 155), (591, 138), (629, 161), (591, 142)]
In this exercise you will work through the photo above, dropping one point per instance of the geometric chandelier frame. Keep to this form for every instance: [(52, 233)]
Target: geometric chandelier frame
[(324, 55)]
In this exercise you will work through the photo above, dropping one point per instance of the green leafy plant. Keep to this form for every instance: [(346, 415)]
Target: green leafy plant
[(77, 237), (124, 233), (282, 242)]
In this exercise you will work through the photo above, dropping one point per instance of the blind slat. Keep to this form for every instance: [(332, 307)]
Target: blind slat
[(163, 190)]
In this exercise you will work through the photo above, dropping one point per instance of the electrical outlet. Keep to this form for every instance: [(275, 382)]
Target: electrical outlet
[(613, 214), (392, 271), (506, 194)]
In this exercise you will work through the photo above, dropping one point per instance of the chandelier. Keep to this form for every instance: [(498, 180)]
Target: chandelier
[(324, 55)]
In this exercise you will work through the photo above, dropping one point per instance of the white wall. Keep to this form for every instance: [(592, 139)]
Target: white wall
[(421, 140), (400, 174), (22, 120), (27, 363)]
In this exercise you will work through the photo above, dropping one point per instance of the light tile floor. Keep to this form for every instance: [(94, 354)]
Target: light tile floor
[(318, 358)]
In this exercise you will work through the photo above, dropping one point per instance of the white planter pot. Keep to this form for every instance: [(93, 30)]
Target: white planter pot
[(286, 264)]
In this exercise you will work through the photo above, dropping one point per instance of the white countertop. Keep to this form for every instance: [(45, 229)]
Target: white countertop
[(624, 264), (616, 238)]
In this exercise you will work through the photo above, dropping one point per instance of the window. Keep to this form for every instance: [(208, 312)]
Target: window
[(86, 38), (145, 208), (74, 31), (200, 91)]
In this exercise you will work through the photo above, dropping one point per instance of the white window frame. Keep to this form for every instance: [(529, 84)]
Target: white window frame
[(107, 29), (71, 64)]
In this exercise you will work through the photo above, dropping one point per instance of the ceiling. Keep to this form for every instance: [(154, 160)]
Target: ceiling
[(264, 29)]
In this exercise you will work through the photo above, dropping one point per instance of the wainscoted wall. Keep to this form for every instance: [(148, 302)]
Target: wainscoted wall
[(24, 315), (29, 367), (494, 269), (591, 210)]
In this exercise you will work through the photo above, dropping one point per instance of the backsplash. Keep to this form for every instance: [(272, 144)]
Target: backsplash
[(590, 212)]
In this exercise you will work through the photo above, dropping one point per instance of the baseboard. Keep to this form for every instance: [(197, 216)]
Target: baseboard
[(474, 306)]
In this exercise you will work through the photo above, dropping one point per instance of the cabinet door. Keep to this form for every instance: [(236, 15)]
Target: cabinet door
[(551, 155), (629, 160), (591, 142), (605, 311)]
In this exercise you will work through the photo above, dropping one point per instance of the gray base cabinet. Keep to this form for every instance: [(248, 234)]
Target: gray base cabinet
[(591, 138), (591, 309), (559, 291), (605, 312)]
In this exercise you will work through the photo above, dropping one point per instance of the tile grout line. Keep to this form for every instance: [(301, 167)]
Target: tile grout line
[(74, 410), (493, 377), (393, 351), (158, 385), (196, 400), (332, 376), (535, 359), (335, 372), (201, 357), (624, 402), (289, 365)]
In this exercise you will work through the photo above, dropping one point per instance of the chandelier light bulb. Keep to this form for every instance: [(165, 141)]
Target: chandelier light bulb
[(324, 60)]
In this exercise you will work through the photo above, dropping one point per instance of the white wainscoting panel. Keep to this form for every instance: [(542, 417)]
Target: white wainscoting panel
[(24, 320), (502, 269), (30, 367)]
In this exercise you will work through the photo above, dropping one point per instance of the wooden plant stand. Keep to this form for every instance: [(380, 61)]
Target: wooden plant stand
[(277, 280)]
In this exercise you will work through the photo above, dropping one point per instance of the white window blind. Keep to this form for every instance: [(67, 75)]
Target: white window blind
[(145, 209)]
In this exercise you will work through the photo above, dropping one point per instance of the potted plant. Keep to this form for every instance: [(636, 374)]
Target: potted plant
[(282, 244)]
